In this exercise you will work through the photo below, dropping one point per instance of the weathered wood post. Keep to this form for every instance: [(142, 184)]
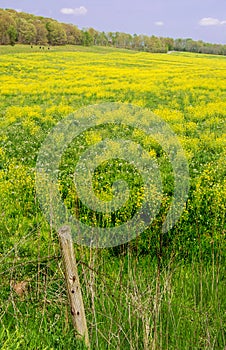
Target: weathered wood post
[(73, 284)]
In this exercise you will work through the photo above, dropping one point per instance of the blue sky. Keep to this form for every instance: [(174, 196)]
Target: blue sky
[(197, 19)]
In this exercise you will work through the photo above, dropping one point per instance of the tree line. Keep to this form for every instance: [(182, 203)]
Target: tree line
[(23, 28)]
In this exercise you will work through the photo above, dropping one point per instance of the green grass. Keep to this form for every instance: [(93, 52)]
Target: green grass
[(130, 304), (4, 49)]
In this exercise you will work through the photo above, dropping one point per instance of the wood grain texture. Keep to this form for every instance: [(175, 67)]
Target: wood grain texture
[(73, 284)]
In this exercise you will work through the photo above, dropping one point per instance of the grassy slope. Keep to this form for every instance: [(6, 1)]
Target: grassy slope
[(67, 48)]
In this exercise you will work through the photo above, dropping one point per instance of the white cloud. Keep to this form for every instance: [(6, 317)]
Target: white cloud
[(209, 21), (79, 11), (18, 10), (159, 23)]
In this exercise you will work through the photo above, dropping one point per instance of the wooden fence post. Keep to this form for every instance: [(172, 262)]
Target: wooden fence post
[(73, 284)]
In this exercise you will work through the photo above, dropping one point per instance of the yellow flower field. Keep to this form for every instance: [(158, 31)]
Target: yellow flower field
[(166, 288), (187, 91)]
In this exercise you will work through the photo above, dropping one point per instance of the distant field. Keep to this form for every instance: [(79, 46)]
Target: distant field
[(158, 291), (64, 48)]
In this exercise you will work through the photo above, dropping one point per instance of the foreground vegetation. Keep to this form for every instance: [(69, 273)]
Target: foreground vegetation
[(159, 291)]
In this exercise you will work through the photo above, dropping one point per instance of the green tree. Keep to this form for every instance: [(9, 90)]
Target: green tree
[(180, 44), (41, 33), (169, 42), (56, 33), (87, 39), (8, 31), (73, 34), (26, 31), (155, 44), (94, 34), (102, 39), (12, 32), (111, 38)]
